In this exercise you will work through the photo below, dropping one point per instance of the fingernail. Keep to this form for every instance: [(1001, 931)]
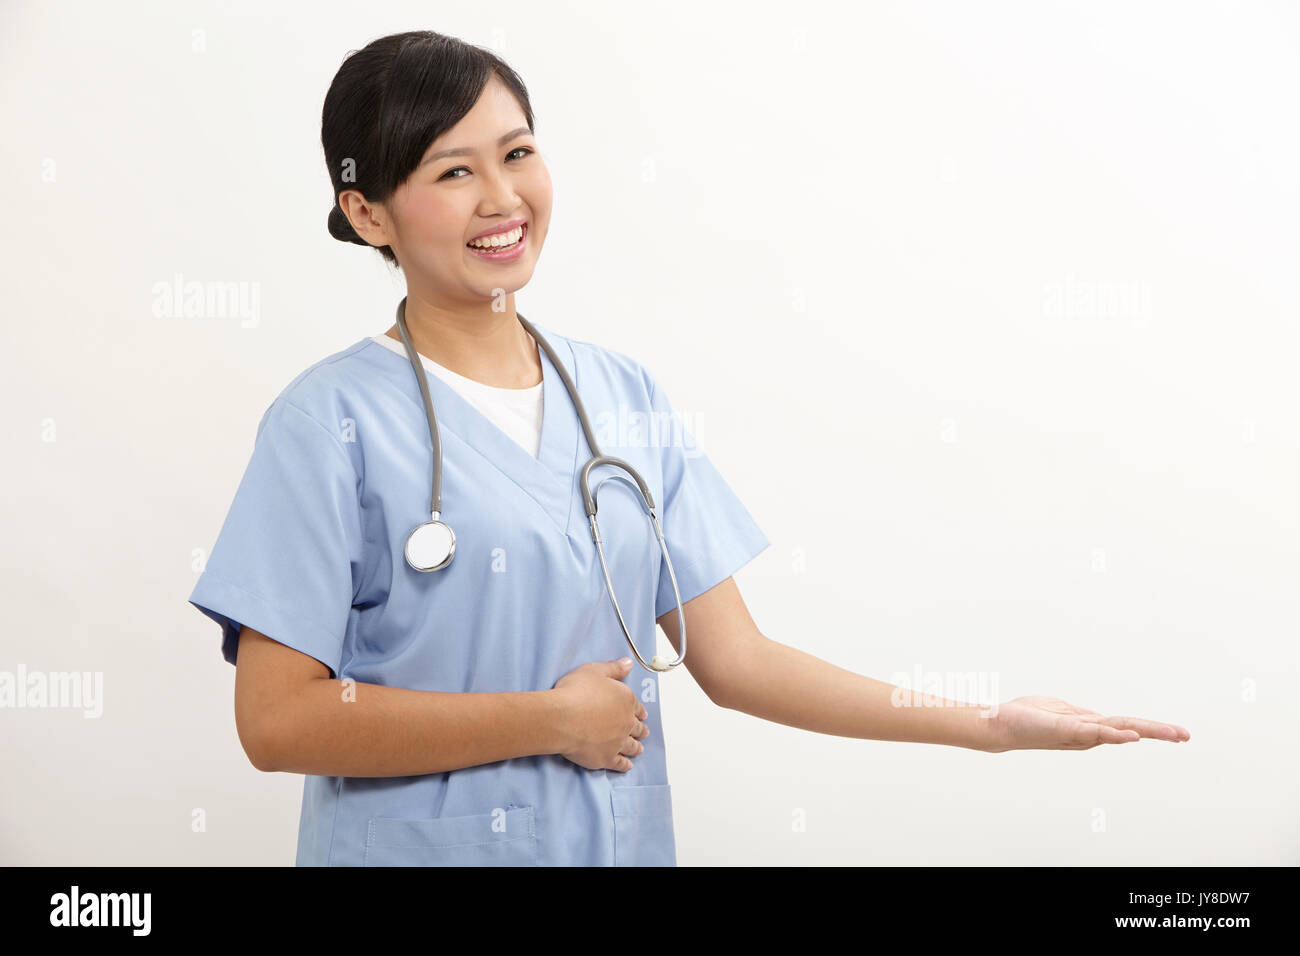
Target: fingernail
[(625, 661)]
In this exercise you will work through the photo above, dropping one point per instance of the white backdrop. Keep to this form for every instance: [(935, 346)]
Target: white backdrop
[(987, 312)]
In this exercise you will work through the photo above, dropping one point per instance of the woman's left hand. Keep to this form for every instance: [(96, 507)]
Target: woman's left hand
[(1046, 723)]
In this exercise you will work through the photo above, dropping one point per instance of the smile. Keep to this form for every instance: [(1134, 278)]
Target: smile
[(501, 247)]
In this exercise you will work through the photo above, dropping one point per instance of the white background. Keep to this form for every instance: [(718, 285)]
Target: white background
[(986, 311)]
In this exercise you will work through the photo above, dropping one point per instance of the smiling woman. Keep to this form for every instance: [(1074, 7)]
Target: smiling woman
[(426, 84), (464, 700)]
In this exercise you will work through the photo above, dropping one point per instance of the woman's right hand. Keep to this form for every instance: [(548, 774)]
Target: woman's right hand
[(601, 716)]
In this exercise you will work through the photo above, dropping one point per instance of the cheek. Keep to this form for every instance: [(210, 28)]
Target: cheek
[(539, 193), (436, 219)]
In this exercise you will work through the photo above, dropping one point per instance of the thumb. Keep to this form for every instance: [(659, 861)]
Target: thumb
[(618, 668)]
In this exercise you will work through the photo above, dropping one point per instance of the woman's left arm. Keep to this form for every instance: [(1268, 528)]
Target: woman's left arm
[(740, 668)]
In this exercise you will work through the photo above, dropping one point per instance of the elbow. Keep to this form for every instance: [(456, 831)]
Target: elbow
[(727, 680), (259, 754), (718, 696), (259, 745), (262, 760)]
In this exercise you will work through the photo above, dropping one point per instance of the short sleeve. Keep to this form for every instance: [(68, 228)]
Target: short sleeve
[(709, 533), (289, 554)]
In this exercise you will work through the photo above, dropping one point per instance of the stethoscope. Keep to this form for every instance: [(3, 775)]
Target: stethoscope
[(432, 545)]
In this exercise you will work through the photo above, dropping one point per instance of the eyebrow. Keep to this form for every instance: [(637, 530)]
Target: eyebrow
[(521, 131)]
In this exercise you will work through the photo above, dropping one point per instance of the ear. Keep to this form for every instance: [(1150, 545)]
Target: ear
[(369, 220)]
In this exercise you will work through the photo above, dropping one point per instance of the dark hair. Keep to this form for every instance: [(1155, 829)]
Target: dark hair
[(389, 101)]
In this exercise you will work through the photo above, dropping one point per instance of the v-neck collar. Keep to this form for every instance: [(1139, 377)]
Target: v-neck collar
[(550, 479)]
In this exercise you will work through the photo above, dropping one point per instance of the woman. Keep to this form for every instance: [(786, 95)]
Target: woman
[(485, 712)]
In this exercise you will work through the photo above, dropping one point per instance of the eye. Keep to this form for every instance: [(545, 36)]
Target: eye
[(518, 149)]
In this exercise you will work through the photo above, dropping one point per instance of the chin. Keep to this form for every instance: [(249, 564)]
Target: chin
[(505, 288)]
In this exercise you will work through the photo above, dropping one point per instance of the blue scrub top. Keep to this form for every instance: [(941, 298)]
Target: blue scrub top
[(311, 555)]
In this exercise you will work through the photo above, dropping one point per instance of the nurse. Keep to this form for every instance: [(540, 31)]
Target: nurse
[(489, 713)]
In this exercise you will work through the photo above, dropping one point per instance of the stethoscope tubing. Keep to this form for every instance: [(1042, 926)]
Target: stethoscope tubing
[(656, 663)]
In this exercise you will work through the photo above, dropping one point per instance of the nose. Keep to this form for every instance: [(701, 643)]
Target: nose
[(499, 192)]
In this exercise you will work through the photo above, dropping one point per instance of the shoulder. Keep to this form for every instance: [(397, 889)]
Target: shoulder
[(617, 367), (322, 391)]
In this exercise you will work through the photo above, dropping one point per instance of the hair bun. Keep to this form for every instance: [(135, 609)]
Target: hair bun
[(341, 229)]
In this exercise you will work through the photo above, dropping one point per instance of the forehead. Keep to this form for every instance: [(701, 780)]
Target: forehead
[(496, 112)]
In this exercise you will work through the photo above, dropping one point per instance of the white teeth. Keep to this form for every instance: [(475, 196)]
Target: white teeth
[(499, 240)]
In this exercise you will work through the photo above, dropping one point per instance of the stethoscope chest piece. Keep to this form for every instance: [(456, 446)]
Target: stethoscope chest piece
[(431, 546)]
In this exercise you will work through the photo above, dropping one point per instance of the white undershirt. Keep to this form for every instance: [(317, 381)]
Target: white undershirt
[(516, 411)]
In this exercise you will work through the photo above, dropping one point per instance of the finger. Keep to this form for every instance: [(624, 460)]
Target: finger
[(615, 669), (631, 747), (1154, 729), (643, 732), (643, 715), (1083, 735), (1114, 735), (623, 765)]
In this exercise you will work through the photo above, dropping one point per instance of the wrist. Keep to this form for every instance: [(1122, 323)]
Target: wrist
[(960, 724), (983, 732), (555, 718)]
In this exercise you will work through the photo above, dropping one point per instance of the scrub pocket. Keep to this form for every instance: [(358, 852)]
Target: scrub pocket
[(453, 841), (643, 826)]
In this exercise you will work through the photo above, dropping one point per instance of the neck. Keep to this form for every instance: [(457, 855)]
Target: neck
[(482, 345)]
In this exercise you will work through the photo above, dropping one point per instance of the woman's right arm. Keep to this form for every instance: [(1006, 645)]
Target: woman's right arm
[(292, 717)]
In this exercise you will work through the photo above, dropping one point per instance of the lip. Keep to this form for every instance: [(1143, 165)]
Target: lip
[(504, 227), (508, 255)]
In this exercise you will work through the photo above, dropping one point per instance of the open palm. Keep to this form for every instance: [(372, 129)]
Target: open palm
[(1046, 723)]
